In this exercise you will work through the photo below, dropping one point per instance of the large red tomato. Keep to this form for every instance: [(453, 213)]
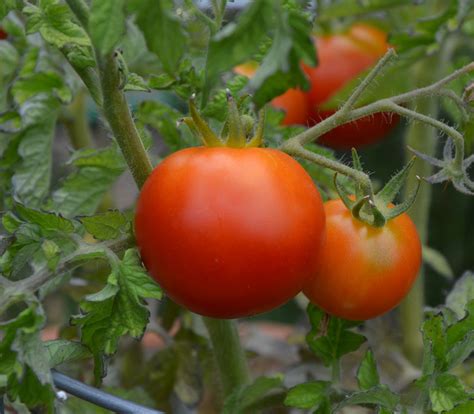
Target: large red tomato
[(363, 271), (342, 57), (229, 232), (293, 102)]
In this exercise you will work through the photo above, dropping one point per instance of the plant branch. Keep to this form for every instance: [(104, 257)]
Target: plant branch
[(75, 121), (117, 113), (229, 354), (16, 291), (295, 149), (81, 11), (347, 115), (351, 101)]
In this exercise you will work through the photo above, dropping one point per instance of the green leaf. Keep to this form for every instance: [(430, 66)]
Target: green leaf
[(435, 345), (217, 106), (307, 395), (163, 33), (10, 222), (457, 331), (240, 401), (24, 360), (162, 81), (9, 59), (447, 392), (106, 23), (45, 220), (41, 82), (6, 6), (281, 67), (345, 8), (460, 351), (164, 119), (239, 40), (461, 294), (82, 191), (379, 396), (367, 375), (62, 350), (117, 310), (336, 341), (32, 177), (106, 226), (437, 262), (464, 408), (56, 24), (136, 83)]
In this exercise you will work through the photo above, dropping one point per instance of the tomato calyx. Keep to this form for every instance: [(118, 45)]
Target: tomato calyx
[(452, 168), (377, 209), (237, 132)]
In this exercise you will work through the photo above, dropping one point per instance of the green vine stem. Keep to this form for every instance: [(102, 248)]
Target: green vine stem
[(117, 113), (295, 145), (423, 138), (228, 352), (75, 121), (16, 291)]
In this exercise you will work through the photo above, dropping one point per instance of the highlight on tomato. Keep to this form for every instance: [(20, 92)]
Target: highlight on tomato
[(341, 58), (229, 229), (363, 271)]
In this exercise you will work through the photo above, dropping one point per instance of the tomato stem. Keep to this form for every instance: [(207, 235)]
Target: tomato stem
[(81, 11), (75, 121), (118, 115), (229, 354)]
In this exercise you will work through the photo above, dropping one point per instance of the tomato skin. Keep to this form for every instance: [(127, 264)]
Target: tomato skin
[(293, 102), (363, 271), (342, 57), (3, 34), (229, 232)]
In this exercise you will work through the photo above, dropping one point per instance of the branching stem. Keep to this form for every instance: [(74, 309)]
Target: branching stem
[(394, 104)]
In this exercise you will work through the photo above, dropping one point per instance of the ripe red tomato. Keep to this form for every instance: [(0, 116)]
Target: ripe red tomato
[(363, 271), (341, 58), (3, 34), (229, 232), (293, 102)]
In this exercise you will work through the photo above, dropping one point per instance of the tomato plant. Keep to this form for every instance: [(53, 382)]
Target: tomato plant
[(229, 232), (378, 268), (342, 57)]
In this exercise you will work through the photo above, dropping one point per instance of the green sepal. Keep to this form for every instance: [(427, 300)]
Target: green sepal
[(205, 133), (236, 137), (343, 193), (388, 193), (257, 139), (405, 205), (358, 166)]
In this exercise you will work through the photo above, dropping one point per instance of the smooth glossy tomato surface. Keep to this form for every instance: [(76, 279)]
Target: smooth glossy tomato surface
[(342, 57), (363, 271), (293, 102), (229, 232)]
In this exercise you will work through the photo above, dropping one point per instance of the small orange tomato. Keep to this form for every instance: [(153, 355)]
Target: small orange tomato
[(341, 58), (363, 271), (293, 102)]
